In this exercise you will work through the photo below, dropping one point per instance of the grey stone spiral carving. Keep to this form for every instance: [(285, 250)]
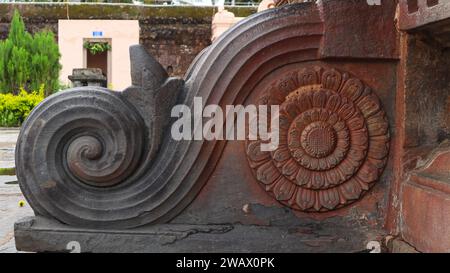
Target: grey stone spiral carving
[(80, 151)]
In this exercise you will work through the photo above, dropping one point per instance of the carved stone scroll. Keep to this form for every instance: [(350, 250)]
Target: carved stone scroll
[(94, 158), (82, 151), (334, 140)]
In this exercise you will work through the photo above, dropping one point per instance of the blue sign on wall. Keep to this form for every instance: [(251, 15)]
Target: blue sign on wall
[(97, 33)]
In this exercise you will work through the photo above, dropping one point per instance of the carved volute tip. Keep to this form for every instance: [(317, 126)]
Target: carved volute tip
[(142, 61)]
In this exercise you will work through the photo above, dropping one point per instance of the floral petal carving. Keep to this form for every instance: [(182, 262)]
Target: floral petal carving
[(377, 125), (333, 177), (305, 199), (334, 102), (291, 110), (254, 152), (267, 173), (359, 138), (281, 155), (352, 89), (287, 85), (351, 190), (356, 123), (290, 168), (378, 150), (377, 163), (369, 105), (346, 111), (303, 176), (304, 102), (334, 140), (368, 173), (331, 79), (284, 123), (307, 77), (283, 190), (329, 198), (319, 99)]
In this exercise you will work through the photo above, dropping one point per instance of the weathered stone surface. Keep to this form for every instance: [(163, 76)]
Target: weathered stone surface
[(397, 245), (419, 13), (371, 28), (41, 235), (427, 81), (421, 197), (426, 203)]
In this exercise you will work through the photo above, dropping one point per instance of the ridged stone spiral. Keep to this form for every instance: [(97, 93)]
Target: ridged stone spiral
[(74, 146)]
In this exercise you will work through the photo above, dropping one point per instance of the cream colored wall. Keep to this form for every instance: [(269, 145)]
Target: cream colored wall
[(122, 33), (221, 22), (223, 19)]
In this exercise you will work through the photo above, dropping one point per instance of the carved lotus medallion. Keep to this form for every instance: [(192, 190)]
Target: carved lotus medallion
[(334, 140)]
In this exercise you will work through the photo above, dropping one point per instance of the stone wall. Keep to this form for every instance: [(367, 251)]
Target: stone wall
[(174, 35), (428, 98)]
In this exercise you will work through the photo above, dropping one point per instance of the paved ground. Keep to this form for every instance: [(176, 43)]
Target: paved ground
[(10, 211), (10, 193), (8, 138)]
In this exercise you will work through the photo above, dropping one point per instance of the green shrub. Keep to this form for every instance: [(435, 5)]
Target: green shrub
[(28, 61), (14, 109), (97, 47)]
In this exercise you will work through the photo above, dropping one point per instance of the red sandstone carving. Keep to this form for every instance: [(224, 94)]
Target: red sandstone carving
[(334, 141)]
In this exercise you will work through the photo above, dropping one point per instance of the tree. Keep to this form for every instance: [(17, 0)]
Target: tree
[(45, 65), (15, 55), (28, 61)]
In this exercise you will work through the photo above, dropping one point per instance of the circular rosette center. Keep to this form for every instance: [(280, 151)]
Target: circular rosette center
[(318, 139)]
